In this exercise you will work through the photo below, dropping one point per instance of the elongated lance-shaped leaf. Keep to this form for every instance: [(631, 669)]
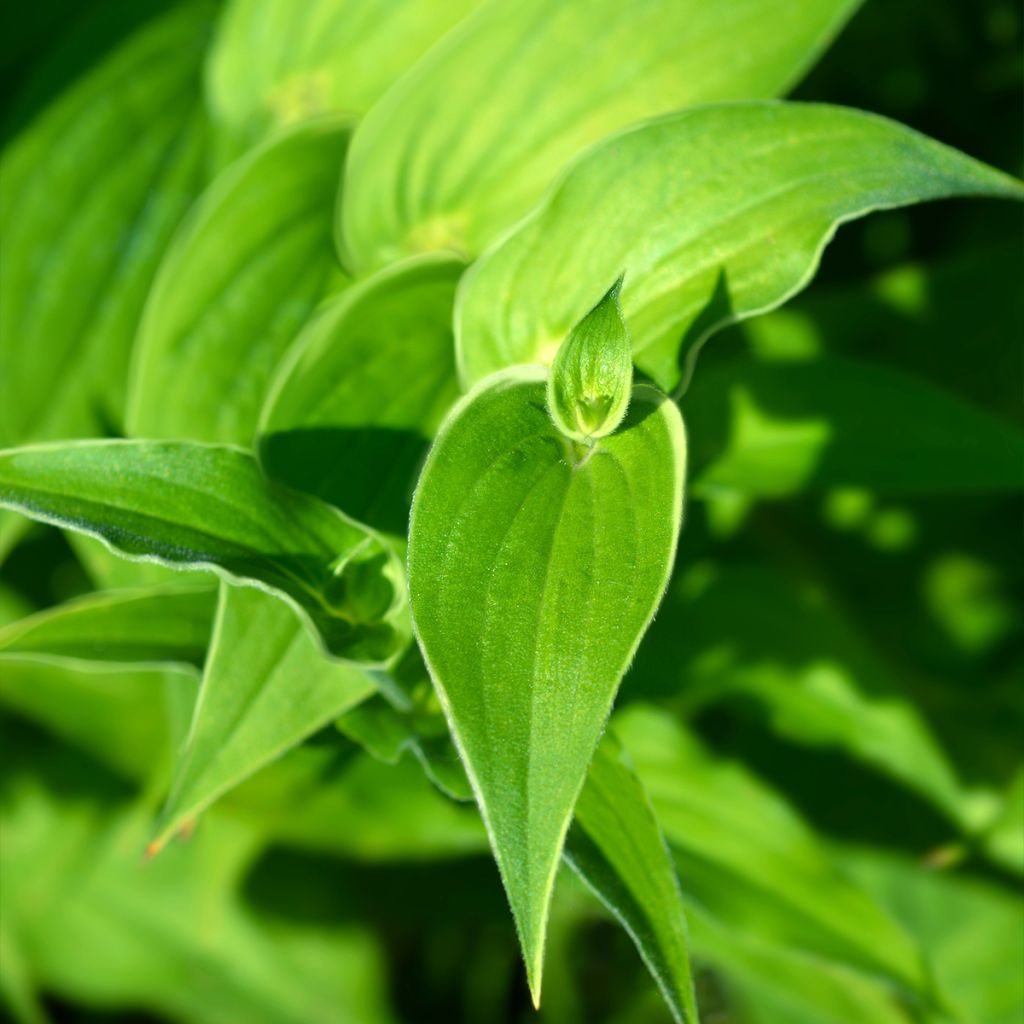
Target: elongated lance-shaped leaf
[(535, 566), (433, 167), (245, 273), (257, 700), (615, 845), (364, 387), (714, 214), (191, 505), (592, 376), (92, 191), (274, 62), (167, 624)]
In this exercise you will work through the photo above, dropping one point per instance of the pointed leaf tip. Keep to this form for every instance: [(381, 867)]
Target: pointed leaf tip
[(592, 376)]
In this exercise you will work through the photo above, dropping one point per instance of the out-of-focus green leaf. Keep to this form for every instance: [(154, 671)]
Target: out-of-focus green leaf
[(17, 986), (266, 688), (753, 632), (167, 624), (13, 606), (246, 271), (273, 62), (748, 860), (715, 214), (970, 930), (772, 429), (100, 926), (468, 141), (616, 847), (367, 383), (1004, 839), (90, 194), (120, 716), (204, 506), (535, 566)]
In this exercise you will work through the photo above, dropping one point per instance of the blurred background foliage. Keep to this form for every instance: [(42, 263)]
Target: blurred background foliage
[(845, 644)]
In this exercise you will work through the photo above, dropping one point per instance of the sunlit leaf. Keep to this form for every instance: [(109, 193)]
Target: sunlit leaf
[(467, 142), (535, 566), (266, 687), (90, 194), (714, 214), (246, 271), (168, 624), (192, 505)]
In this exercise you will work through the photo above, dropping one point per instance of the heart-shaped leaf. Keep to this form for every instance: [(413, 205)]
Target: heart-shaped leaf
[(714, 214), (535, 565), (207, 506), (467, 142)]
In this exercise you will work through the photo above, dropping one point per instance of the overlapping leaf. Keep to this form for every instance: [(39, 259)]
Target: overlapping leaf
[(714, 213), (467, 142), (207, 506), (535, 566)]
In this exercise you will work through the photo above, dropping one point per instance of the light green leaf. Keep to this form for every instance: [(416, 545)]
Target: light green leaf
[(203, 506), (246, 271), (274, 62), (715, 214), (776, 428), (615, 845), (168, 624), (1004, 839), (89, 197), (364, 387), (535, 567), (467, 142), (266, 688), (119, 715), (747, 859)]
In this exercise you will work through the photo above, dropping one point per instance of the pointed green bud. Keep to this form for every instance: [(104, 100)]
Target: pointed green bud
[(592, 376)]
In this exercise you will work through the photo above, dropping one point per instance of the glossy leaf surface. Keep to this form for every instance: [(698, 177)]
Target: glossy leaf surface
[(715, 214), (534, 570), (245, 273), (206, 506), (433, 167)]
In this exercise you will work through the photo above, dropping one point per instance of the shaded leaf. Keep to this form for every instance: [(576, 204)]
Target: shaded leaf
[(433, 167), (535, 567), (191, 505), (245, 272), (715, 214)]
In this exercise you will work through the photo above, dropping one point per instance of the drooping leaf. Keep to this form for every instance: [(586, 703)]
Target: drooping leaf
[(715, 214), (365, 386), (773, 429), (203, 506), (747, 859), (90, 194), (615, 845), (275, 63), (467, 142), (535, 566), (167, 625), (266, 687), (245, 272)]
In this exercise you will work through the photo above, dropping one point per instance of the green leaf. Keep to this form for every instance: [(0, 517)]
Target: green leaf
[(364, 387), (715, 214), (245, 273), (615, 845), (748, 860), (119, 715), (196, 506), (469, 140), (1004, 839), (167, 625), (92, 191), (592, 376), (534, 569), (773, 429), (266, 688), (274, 63)]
